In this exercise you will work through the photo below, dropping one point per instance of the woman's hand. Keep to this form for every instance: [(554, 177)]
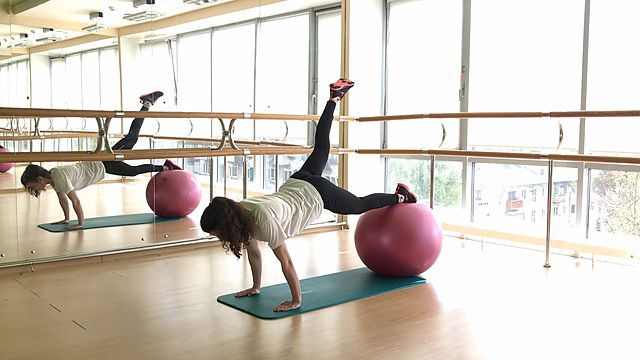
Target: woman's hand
[(287, 306), (61, 222), (249, 292)]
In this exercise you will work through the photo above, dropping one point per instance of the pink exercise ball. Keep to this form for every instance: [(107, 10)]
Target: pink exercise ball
[(399, 240), (173, 193), (4, 167)]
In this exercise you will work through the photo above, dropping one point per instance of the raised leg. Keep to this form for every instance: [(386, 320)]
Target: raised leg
[(341, 201), (317, 160), (123, 169)]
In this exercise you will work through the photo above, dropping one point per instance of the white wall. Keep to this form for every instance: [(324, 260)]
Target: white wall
[(40, 81), (133, 74)]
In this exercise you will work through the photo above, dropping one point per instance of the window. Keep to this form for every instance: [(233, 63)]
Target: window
[(109, 80), (512, 69), (194, 80), (159, 59), (14, 84), (277, 37), (615, 207), (233, 76), (90, 80), (611, 85), (423, 77)]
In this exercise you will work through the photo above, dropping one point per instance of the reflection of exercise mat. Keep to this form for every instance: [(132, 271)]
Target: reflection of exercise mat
[(320, 292), (109, 221)]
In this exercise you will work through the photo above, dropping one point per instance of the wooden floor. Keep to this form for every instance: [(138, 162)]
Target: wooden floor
[(490, 302)]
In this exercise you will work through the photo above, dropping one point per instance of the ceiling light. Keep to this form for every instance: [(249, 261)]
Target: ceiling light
[(198, 2), (51, 35), (143, 15), (137, 3), (22, 41), (97, 25)]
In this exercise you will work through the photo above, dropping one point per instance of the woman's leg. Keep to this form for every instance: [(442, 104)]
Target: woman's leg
[(123, 169), (317, 160), (130, 140), (341, 201)]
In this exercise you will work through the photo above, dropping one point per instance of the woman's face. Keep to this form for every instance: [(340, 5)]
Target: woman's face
[(35, 187)]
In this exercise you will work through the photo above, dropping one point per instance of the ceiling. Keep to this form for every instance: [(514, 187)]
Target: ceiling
[(42, 22)]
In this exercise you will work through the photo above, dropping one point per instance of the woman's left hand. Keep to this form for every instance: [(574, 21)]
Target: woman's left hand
[(287, 306)]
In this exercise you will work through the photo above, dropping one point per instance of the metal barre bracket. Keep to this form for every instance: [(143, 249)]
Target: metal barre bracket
[(103, 135), (226, 134)]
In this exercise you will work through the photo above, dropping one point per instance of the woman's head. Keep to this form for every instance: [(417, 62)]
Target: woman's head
[(230, 222), (34, 179)]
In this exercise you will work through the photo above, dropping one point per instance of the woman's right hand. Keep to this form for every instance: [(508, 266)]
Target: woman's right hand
[(249, 292), (60, 222)]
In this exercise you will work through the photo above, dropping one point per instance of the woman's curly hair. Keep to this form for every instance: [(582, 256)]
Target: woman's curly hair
[(233, 223), (31, 174)]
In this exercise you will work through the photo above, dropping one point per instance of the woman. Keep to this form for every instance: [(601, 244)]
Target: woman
[(275, 217), (68, 179)]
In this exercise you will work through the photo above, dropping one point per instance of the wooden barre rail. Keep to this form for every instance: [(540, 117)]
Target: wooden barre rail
[(23, 157), (505, 155), (293, 150), (13, 113), (65, 134), (489, 115), (9, 113)]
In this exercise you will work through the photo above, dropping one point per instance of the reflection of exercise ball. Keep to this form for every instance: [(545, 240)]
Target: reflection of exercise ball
[(4, 167), (399, 240), (173, 193)]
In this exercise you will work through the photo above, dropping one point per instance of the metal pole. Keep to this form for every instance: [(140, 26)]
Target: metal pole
[(549, 201), (432, 181), (225, 177), (244, 176), (211, 178), (277, 171)]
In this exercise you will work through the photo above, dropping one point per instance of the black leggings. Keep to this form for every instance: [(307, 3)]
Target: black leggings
[(336, 199), (126, 143)]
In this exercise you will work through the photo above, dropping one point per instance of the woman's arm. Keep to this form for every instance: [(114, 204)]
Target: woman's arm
[(290, 274), (64, 204), (255, 260), (77, 207)]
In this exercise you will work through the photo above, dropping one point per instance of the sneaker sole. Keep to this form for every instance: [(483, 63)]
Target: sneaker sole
[(406, 188), (175, 167)]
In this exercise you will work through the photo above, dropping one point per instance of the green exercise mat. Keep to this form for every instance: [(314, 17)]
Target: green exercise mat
[(108, 221), (320, 292)]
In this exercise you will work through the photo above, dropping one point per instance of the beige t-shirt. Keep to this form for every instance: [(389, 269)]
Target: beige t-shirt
[(77, 176), (285, 213)]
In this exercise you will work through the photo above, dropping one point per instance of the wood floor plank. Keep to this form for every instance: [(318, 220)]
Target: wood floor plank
[(490, 302)]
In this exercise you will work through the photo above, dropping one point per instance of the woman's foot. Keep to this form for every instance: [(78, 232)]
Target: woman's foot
[(148, 100), (170, 165), (405, 195), (339, 88)]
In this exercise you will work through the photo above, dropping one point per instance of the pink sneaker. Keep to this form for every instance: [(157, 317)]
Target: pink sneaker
[(409, 197), (170, 165), (339, 88), (151, 97)]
